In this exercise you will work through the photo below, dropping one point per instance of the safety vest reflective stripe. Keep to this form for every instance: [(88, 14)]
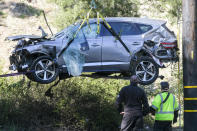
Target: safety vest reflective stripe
[(167, 112), (164, 111), (173, 102), (161, 106), (154, 107)]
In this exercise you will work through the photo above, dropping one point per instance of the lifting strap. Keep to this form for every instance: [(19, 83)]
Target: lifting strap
[(166, 98), (117, 37), (107, 26), (16, 74)]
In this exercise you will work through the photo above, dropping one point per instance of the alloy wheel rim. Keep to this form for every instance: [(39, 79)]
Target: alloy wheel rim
[(145, 71), (45, 69)]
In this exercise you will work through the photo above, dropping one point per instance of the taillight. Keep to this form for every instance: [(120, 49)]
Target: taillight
[(169, 45)]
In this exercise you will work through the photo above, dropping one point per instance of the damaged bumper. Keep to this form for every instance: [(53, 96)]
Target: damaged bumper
[(18, 62)]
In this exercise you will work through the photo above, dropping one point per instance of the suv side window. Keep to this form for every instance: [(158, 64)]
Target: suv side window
[(90, 31), (144, 28), (122, 29)]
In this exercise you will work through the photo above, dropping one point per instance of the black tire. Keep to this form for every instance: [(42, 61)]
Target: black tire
[(146, 70), (43, 73)]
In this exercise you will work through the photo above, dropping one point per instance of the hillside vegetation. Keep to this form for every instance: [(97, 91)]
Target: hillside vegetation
[(79, 103)]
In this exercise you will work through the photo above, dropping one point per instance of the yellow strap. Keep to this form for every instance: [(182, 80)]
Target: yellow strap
[(80, 27), (105, 22), (88, 15), (82, 22), (98, 22), (89, 11)]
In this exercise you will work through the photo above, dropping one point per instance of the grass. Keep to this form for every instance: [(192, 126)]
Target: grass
[(75, 104)]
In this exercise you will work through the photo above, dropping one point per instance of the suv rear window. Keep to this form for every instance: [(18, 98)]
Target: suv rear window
[(144, 28), (122, 29)]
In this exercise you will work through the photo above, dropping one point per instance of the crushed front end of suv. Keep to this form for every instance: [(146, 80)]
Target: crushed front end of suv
[(150, 42)]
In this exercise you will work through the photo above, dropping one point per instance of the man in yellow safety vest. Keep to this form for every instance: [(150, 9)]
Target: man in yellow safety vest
[(165, 108)]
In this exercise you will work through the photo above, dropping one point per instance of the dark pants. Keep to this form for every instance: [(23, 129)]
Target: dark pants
[(162, 126), (131, 123)]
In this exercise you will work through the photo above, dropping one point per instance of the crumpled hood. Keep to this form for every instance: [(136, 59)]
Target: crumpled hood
[(18, 37)]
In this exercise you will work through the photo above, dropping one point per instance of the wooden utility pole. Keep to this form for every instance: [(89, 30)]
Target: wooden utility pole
[(189, 9)]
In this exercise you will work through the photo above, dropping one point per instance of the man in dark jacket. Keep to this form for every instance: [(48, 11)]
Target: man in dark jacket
[(135, 106)]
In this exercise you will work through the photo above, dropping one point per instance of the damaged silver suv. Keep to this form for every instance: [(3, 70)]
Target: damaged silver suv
[(149, 42)]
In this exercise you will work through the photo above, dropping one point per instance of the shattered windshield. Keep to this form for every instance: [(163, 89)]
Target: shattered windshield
[(74, 56)]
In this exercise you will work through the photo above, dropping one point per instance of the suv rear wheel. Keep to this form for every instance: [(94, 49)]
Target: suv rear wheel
[(146, 70)]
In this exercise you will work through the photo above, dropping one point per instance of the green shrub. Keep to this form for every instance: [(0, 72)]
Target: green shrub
[(72, 10), (78, 103)]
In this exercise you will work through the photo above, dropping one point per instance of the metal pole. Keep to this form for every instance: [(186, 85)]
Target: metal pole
[(179, 87), (179, 21), (190, 64)]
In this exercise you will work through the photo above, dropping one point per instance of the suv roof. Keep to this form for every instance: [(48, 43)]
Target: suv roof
[(132, 19)]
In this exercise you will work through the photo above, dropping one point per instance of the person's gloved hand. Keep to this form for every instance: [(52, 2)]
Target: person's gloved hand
[(175, 117), (152, 111), (175, 120)]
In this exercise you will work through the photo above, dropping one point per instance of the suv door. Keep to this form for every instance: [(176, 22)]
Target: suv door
[(93, 55), (114, 55)]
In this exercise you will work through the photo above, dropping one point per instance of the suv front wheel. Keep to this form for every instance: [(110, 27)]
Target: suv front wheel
[(44, 70), (146, 70)]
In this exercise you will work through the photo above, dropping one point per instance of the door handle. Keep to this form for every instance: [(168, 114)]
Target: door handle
[(95, 45), (136, 43)]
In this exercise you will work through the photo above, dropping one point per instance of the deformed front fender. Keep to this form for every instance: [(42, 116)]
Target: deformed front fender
[(35, 53), (47, 50)]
